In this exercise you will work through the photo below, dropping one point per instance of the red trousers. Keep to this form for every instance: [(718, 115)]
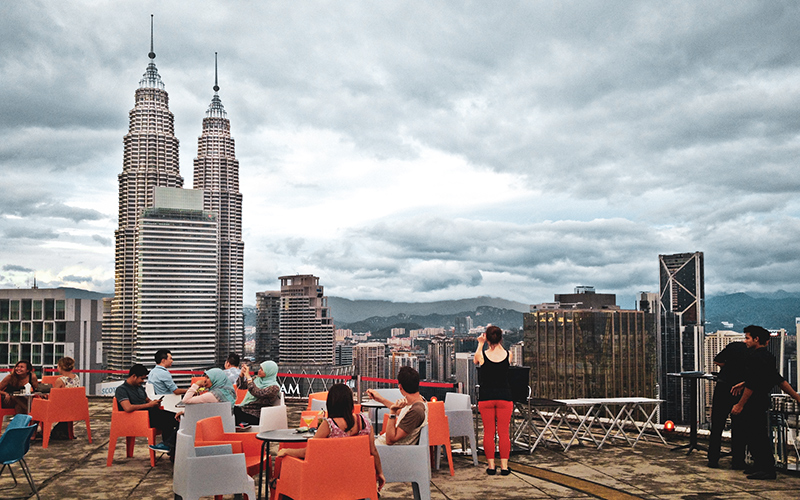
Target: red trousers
[(500, 412)]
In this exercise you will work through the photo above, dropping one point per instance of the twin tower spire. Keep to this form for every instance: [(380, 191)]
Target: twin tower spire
[(150, 161)]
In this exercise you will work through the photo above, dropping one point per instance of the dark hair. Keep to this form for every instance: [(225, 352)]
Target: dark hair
[(760, 334), (66, 363), (25, 362), (161, 355), (233, 359), (16, 380), (340, 404), (408, 378), (494, 335), (139, 370)]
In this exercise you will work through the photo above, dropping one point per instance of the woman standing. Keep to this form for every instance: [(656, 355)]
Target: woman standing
[(262, 390), (494, 399), (67, 378), (14, 382), (219, 388)]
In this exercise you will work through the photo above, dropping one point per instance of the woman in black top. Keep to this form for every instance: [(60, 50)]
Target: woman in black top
[(494, 399)]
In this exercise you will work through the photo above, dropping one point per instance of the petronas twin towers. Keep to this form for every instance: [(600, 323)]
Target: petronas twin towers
[(179, 257)]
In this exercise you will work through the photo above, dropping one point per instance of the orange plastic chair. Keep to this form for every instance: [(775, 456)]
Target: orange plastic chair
[(240, 394), (67, 404), (334, 469), (322, 396), (209, 431), (195, 379), (439, 430), (49, 379), (130, 426)]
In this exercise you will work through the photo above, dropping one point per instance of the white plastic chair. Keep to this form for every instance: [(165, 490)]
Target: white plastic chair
[(409, 464), (273, 417), (209, 470), (392, 395), (317, 405), (150, 390), (195, 412), (458, 408)]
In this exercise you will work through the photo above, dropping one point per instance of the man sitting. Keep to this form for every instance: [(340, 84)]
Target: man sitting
[(160, 377), (232, 370), (408, 414), (132, 397)]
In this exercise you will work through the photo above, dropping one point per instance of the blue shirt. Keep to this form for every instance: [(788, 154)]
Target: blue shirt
[(162, 381)]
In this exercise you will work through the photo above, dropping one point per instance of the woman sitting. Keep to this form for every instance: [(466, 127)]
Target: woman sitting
[(341, 423), (67, 378), (214, 387), (262, 390), (15, 382)]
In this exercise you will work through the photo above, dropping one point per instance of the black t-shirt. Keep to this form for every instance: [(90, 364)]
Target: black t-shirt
[(135, 394), (734, 358), (493, 379), (760, 377)]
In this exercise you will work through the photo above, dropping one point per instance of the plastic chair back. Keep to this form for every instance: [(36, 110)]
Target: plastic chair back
[(14, 444), (193, 413), (273, 417), (333, 469), (461, 420), (317, 396), (409, 464), (68, 404), (130, 426), (439, 431), (49, 379), (240, 394)]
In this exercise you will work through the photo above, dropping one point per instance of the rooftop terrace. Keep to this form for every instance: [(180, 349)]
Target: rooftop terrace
[(77, 470)]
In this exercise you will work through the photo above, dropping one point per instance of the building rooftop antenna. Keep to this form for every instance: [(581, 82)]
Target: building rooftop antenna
[(216, 80), (151, 55)]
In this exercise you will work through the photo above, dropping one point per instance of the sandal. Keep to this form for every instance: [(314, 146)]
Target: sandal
[(491, 472)]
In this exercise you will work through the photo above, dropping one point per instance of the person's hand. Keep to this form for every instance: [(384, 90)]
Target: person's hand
[(737, 389), (6, 397), (371, 393), (482, 338), (737, 409), (381, 481), (179, 415), (154, 403), (398, 405), (245, 371), (282, 452)]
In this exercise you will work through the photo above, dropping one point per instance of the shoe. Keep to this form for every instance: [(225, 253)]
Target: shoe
[(713, 465), (159, 447), (763, 474), (749, 470), (491, 472), (505, 472)]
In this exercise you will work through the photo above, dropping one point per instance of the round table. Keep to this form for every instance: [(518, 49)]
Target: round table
[(276, 436)]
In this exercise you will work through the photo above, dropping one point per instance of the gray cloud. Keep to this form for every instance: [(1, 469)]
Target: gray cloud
[(11, 267), (103, 240)]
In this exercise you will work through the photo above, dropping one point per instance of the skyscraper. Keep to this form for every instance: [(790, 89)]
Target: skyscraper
[(216, 171), (306, 324), (268, 308), (682, 318), (150, 159)]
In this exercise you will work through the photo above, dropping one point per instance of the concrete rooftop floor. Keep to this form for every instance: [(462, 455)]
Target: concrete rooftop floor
[(77, 470)]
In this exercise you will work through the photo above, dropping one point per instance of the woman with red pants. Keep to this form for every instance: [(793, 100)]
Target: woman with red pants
[(494, 398)]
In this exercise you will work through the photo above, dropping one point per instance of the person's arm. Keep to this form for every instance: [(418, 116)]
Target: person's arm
[(33, 380), (191, 396), (128, 407), (394, 433), (322, 432), (178, 392), (478, 358), (59, 384), (268, 393), (4, 388), (788, 389), (737, 409), (373, 450)]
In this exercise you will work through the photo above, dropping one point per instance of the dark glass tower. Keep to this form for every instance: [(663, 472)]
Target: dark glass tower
[(216, 171)]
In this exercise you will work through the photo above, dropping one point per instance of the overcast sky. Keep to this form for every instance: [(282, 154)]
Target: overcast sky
[(419, 151)]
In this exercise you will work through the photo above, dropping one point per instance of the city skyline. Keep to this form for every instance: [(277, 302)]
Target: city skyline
[(414, 152)]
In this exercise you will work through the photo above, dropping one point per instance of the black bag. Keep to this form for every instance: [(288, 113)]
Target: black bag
[(44, 388)]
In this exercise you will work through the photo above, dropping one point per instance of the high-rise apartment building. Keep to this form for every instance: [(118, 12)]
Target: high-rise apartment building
[(463, 324), (441, 355), (306, 324), (467, 374), (268, 309), (602, 352), (43, 325), (369, 360), (150, 160), (712, 345), (176, 282), (400, 359), (216, 172), (682, 319)]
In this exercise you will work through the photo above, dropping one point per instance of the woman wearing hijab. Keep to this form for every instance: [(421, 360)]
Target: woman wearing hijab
[(217, 389), (262, 390)]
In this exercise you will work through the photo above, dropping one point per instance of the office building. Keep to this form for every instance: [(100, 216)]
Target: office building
[(441, 356), (463, 324), (306, 324), (467, 374), (400, 359), (602, 352), (516, 353), (45, 324), (176, 282), (216, 172), (681, 319), (712, 345), (344, 353), (150, 159), (268, 308)]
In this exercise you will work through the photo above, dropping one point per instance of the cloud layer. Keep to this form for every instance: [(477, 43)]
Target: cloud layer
[(414, 151)]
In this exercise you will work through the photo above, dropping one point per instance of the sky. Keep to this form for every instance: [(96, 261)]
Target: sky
[(422, 151)]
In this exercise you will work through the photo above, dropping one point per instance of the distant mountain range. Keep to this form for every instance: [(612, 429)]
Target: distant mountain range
[(772, 310)]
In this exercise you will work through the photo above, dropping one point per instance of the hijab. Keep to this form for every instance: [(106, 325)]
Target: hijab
[(221, 387), (269, 379)]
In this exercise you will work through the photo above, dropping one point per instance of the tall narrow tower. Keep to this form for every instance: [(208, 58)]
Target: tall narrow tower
[(150, 159), (216, 171), (682, 321)]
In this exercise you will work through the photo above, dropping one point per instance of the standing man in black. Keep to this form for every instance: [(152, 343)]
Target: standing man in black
[(731, 361), (760, 377)]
